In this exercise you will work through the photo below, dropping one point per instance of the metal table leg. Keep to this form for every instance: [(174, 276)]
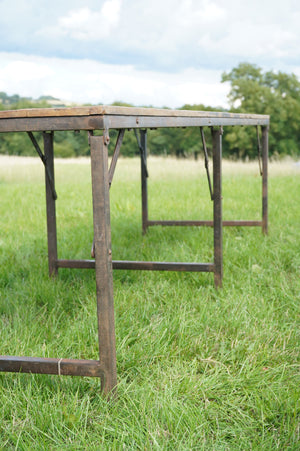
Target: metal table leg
[(50, 203), (144, 180), (217, 199), (265, 146)]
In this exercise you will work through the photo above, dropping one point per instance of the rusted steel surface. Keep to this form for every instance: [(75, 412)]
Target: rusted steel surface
[(265, 147), (259, 153), (163, 266), (44, 160), (170, 223), (206, 163), (144, 176), (60, 367), (143, 149), (140, 265), (76, 264), (217, 189), (50, 203), (115, 156), (163, 121)]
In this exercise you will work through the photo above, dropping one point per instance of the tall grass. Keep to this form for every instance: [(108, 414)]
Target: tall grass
[(198, 368)]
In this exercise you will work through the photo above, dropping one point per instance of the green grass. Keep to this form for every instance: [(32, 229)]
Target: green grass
[(198, 368)]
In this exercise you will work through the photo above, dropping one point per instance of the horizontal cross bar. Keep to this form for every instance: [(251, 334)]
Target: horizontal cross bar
[(164, 266), (42, 365), (140, 265), (204, 223)]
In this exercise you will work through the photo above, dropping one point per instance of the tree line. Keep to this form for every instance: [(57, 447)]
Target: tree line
[(251, 91)]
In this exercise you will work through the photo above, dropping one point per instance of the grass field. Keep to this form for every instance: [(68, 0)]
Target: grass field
[(198, 368)]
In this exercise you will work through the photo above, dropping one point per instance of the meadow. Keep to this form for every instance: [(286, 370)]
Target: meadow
[(198, 368)]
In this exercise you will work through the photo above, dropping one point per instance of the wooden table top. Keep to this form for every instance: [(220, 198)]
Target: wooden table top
[(120, 111), (99, 117)]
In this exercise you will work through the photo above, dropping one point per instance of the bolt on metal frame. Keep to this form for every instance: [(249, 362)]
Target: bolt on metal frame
[(105, 118)]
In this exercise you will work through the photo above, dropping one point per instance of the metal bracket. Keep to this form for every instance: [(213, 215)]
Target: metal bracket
[(259, 151), (206, 162), (106, 137), (90, 133), (142, 152), (44, 160)]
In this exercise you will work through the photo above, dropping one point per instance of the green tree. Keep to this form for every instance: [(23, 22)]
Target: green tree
[(275, 94)]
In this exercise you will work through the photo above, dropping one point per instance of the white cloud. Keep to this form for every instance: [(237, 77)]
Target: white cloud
[(90, 81), (201, 32), (86, 24), (166, 35), (23, 70), (265, 41), (203, 12), (164, 28), (20, 74), (192, 40)]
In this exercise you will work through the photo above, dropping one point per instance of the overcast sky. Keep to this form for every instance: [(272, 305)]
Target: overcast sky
[(145, 52)]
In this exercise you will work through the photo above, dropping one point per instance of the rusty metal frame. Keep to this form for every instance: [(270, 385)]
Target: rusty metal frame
[(263, 169), (48, 121), (115, 156)]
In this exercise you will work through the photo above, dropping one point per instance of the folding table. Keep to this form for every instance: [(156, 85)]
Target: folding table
[(106, 118)]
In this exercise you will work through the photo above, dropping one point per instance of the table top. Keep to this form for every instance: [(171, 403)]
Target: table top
[(100, 117)]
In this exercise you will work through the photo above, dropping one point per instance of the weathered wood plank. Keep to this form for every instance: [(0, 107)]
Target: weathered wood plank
[(121, 111), (103, 260), (35, 124)]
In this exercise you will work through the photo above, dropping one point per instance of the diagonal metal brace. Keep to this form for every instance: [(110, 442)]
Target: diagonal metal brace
[(206, 162), (142, 153), (115, 156), (259, 151), (44, 160)]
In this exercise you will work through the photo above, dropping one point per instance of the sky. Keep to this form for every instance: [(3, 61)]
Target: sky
[(157, 52)]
